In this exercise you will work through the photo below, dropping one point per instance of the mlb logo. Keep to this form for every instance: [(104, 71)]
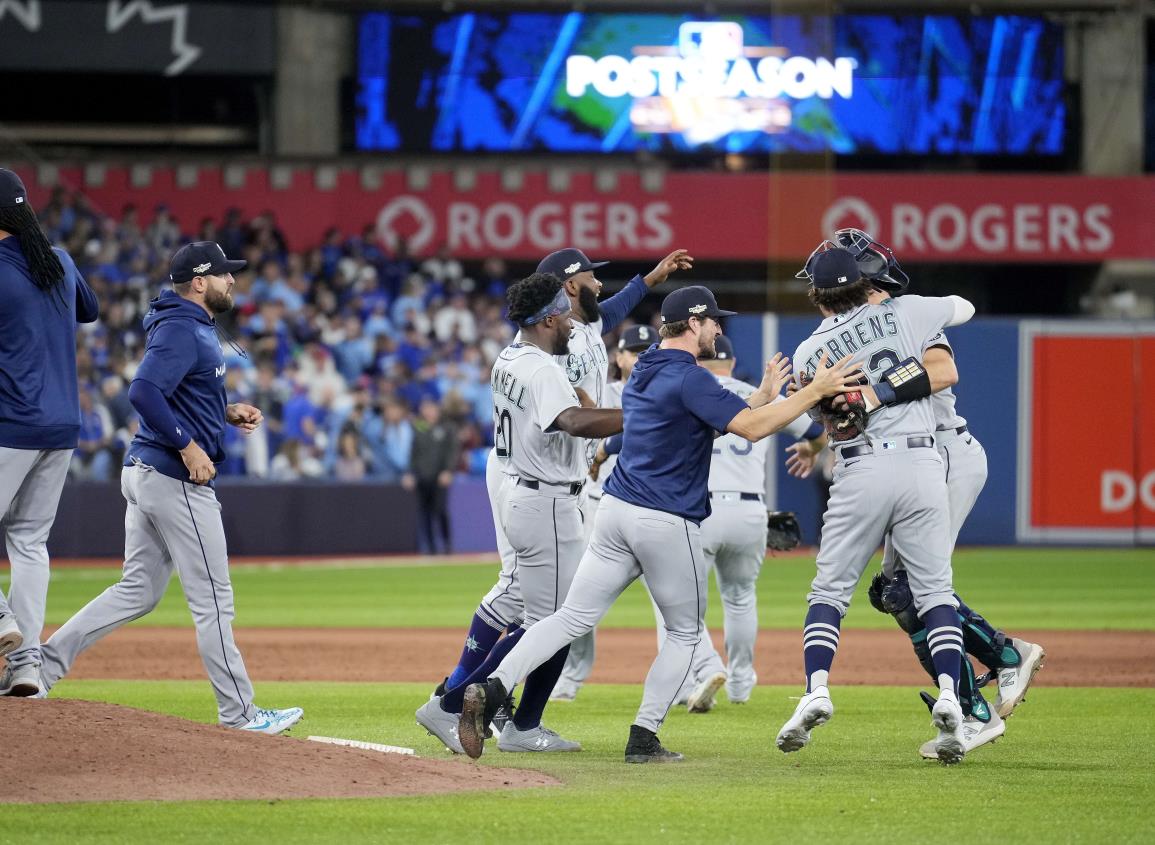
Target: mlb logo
[(889, 444), (711, 39)]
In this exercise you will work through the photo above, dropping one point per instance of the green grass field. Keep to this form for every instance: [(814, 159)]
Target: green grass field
[(1075, 765)]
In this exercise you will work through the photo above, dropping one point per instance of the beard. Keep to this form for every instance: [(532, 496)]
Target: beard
[(588, 305), (218, 301), (561, 344), (706, 350)]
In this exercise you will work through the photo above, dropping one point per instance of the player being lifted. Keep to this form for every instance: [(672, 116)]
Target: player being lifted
[(1012, 661), (890, 477)]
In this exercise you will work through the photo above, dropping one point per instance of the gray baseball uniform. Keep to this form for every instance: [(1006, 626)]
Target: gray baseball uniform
[(502, 605), (891, 478), (964, 460), (734, 543), (540, 512)]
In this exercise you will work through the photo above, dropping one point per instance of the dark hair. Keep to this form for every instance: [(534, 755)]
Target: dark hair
[(840, 300), (43, 264), (675, 329), (530, 295)]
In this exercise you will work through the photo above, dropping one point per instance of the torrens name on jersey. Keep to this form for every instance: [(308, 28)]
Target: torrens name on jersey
[(591, 358), (861, 333), (504, 383)]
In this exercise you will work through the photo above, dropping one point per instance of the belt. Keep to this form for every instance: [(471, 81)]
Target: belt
[(920, 442), (960, 431), (724, 495), (574, 487)]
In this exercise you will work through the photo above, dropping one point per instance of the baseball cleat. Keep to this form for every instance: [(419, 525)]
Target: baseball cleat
[(701, 700), (10, 636), (813, 710), (975, 734), (440, 724), (273, 722), (21, 682), (503, 716), (645, 747), (1014, 680), (947, 717), (564, 690), (535, 739), (478, 710)]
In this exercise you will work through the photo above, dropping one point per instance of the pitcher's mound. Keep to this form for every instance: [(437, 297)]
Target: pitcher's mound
[(62, 750)]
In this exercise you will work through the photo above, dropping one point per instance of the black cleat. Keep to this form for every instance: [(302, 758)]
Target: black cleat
[(503, 715), (481, 703), (644, 747)]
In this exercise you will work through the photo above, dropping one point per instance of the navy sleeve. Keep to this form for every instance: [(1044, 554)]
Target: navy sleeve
[(170, 354), (87, 308), (618, 307), (154, 410), (613, 444), (707, 400)]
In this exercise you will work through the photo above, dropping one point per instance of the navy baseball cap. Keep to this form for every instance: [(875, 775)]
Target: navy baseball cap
[(692, 301), (201, 258), (12, 190), (568, 262), (638, 338), (723, 350), (835, 268)]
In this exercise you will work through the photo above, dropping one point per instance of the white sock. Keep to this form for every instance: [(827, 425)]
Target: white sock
[(818, 679)]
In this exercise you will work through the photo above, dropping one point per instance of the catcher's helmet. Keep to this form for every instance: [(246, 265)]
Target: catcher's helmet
[(875, 260)]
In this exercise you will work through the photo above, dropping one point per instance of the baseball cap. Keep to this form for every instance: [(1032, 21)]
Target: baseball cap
[(201, 258), (568, 262), (692, 301), (723, 349), (835, 268), (12, 190), (638, 338)]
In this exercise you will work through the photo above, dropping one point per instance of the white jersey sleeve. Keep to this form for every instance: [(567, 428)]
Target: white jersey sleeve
[(552, 394)]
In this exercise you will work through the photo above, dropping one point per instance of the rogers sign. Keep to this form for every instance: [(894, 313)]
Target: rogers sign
[(505, 226), (1039, 228)]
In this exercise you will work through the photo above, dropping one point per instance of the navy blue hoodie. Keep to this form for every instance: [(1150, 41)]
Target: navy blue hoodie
[(183, 360), (671, 408), (39, 406)]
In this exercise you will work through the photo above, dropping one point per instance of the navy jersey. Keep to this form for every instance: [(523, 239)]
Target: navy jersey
[(39, 405), (183, 360), (671, 409)]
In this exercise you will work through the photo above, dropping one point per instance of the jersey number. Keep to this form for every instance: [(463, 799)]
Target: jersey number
[(745, 449), (502, 433), (882, 360)]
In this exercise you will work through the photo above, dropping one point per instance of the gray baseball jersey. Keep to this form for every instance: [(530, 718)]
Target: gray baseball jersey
[(529, 391), (895, 482), (586, 364), (943, 402), (612, 399)]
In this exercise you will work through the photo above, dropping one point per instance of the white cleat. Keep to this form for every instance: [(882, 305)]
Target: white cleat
[(10, 636), (1014, 680), (701, 700), (440, 724), (813, 710), (540, 739), (21, 682), (948, 718), (273, 722), (975, 734)]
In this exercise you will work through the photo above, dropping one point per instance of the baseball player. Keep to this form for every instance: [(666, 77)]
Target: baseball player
[(173, 518), (734, 543), (649, 516), (586, 367), (539, 423), (886, 478), (1013, 661), (579, 664), (44, 297)]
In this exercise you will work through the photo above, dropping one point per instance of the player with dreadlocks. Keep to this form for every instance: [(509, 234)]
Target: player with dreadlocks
[(42, 298)]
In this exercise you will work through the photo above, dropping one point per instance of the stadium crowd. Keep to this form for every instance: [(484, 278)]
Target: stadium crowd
[(368, 363)]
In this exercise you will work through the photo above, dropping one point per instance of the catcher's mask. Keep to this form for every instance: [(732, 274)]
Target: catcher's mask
[(875, 260)]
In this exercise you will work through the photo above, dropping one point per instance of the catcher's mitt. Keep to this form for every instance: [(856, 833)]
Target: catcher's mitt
[(844, 416), (782, 531)]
